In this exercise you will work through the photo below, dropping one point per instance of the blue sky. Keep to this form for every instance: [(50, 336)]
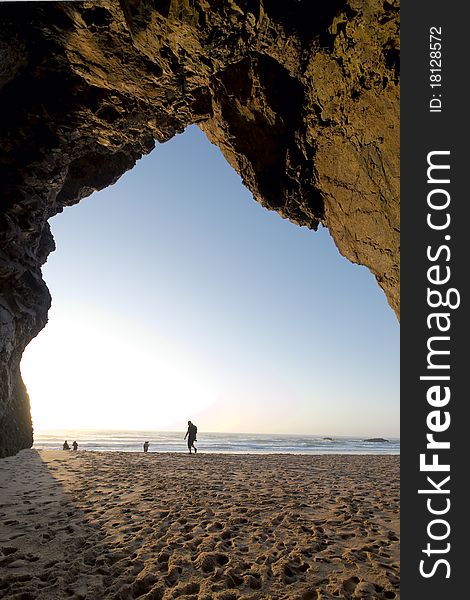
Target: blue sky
[(176, 296)]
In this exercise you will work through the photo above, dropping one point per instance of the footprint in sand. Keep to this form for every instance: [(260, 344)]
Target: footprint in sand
[(209, 561)]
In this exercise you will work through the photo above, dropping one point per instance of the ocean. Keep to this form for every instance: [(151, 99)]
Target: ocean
[(234, 443)]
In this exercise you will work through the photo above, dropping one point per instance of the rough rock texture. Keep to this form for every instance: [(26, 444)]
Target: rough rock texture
[(301, 97)]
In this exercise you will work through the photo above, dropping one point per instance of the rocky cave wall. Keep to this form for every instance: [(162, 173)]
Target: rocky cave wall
[(301, 97)]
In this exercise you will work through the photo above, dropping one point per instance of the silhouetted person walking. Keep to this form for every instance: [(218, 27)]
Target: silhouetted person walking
[(146, 446), (65, 446), (191, 435), (75, 446)]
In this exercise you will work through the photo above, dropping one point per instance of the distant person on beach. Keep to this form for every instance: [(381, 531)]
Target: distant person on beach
[(146, 446), (65, 446), (75, 446), (191, 435)]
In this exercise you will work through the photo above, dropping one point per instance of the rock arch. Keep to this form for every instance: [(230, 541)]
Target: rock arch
[(302, 99)]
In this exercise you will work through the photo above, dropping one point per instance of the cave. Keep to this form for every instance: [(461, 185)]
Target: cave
[(303, 102)]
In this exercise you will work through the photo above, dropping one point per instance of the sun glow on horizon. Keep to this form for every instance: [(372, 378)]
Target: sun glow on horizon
[(104, 380)]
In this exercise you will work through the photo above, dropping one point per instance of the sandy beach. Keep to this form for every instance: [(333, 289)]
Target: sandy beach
[(100, 525)]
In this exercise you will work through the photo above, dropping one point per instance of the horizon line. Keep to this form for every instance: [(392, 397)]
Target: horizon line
[(201, 431)]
